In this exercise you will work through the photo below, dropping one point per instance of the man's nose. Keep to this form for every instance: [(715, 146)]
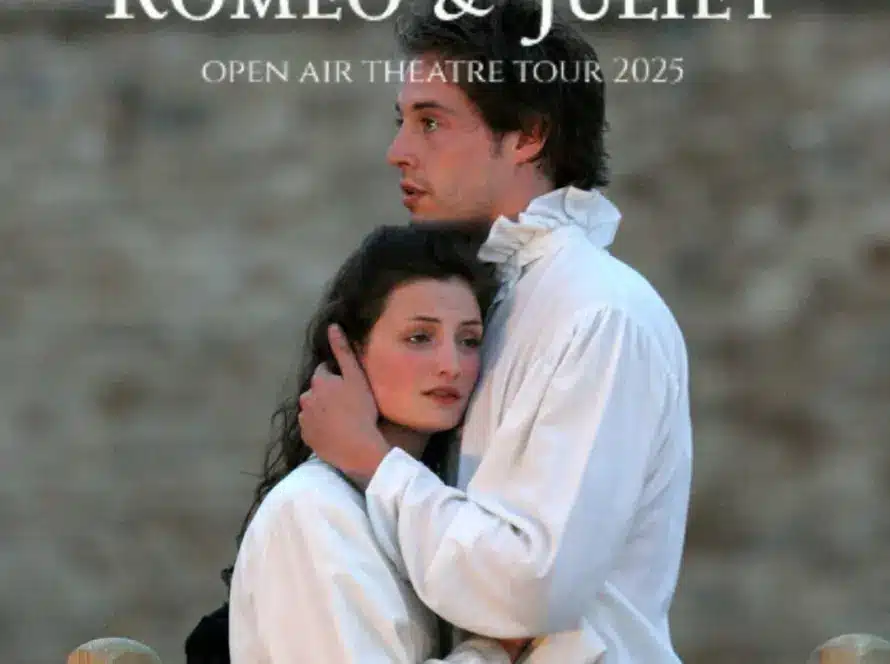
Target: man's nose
[(400, 153)]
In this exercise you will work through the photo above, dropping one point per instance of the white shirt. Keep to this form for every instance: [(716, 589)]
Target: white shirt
[(569, 511), (311, 586)]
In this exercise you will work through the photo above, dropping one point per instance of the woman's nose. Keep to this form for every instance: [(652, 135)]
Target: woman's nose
[(449, 361)]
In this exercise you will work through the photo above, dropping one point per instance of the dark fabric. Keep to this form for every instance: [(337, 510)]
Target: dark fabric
[(209, 641)]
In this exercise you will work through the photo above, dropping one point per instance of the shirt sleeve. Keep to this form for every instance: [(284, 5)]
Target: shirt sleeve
[(523, 551), (321, 592)]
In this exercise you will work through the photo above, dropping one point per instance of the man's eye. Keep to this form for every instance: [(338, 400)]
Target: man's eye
[(429, 124)]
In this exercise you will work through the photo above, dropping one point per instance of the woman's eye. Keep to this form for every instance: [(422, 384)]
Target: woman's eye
[(472, 342), (419, 338)]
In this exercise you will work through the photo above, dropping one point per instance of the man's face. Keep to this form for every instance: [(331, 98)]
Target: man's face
[(450, 162)]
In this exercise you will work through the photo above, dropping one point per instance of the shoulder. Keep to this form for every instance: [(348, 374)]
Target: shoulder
[(592, 277), (585, 290), (307, 497)]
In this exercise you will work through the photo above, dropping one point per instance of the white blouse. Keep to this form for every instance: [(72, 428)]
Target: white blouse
[(311, 586), (569, 512)]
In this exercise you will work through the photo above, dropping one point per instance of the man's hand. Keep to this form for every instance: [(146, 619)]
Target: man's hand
[(514, 647), (338, 415)]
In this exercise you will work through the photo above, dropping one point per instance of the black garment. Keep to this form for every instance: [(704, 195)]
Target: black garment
[(209, 641)]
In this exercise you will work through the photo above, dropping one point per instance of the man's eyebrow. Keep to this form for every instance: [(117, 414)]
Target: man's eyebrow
[(425, 106)]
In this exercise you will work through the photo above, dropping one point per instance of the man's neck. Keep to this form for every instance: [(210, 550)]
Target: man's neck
[(520, 197)]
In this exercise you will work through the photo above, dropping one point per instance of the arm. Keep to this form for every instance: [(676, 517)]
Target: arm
[(523, 551), (321, 591)]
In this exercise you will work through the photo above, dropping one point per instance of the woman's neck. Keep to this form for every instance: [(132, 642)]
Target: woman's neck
[(410, 440)]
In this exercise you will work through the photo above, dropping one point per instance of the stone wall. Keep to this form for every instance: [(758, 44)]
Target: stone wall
[(163, 240)]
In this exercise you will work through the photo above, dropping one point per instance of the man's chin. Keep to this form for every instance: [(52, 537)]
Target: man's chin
[(420, 216), (472, 228)]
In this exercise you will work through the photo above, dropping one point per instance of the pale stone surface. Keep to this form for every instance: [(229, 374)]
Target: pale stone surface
[(162, 241), (113, 650), (852, 649)]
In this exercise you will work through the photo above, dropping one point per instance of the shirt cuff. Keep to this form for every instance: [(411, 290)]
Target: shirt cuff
[(393, 475)]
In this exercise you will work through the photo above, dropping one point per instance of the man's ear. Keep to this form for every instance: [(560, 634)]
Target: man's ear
[(529, 141)]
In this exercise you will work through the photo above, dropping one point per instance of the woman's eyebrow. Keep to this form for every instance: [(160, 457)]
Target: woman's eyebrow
[(433, 319)]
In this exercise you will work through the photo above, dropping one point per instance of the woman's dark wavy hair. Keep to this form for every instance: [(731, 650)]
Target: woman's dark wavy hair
[(355, 298), (571, 114), (389, 257)]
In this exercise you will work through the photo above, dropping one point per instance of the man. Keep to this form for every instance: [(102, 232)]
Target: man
[(568, 517)]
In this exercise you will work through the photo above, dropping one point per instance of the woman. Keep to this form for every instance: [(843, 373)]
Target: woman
[(310, 583)]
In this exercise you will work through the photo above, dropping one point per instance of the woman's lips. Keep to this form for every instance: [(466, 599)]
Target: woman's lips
[(444, 396)]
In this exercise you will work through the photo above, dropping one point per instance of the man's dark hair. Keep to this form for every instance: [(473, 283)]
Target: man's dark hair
[(571, 113)]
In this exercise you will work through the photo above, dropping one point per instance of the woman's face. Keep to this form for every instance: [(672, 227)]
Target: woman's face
[(422, 355)]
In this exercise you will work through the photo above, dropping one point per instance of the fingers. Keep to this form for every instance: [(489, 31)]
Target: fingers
[(320, 378), (317, 385), (349, 365), (307, 401)]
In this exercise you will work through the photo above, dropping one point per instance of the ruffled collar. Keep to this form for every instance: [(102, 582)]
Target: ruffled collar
[(515, 244)]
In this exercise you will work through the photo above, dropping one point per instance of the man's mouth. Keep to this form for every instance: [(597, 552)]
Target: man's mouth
[(410, 193)]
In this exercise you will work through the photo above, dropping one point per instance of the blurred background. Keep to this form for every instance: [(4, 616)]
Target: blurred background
[(163, 241)]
